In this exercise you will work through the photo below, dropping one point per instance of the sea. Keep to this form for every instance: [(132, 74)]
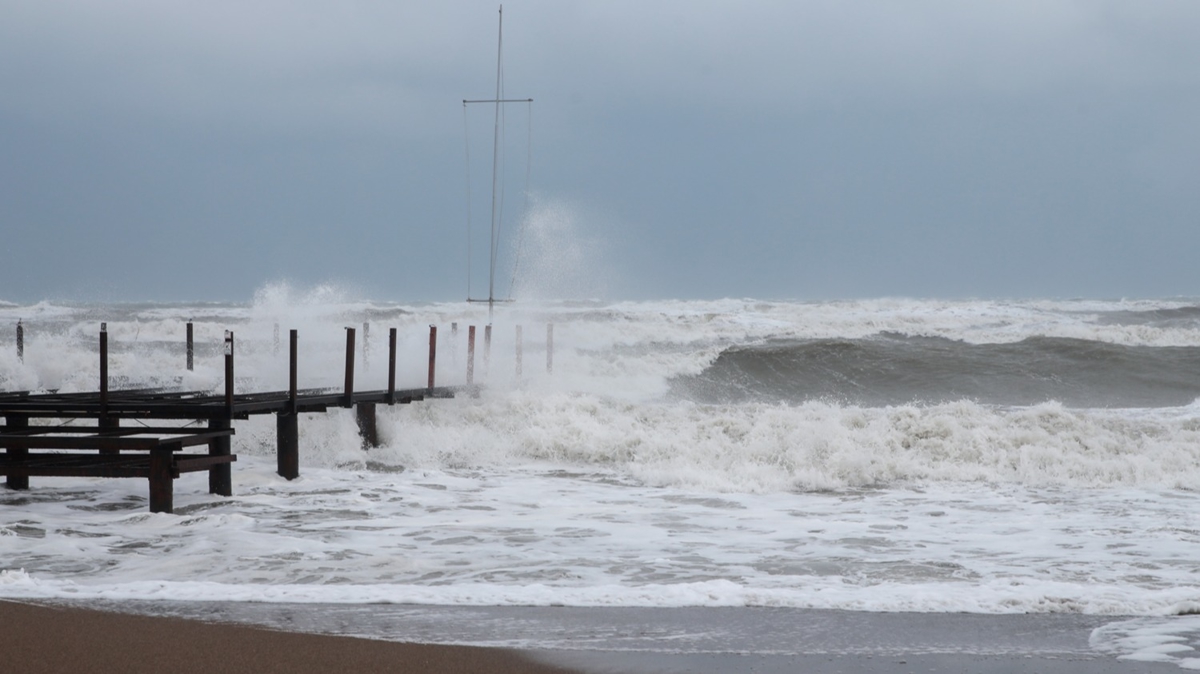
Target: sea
[(889, 456)]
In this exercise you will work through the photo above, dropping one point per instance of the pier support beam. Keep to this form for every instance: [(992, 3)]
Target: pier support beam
[(162, 482), (287, 441), (364, 414), (287, 429), (220, 476), (15, 422)]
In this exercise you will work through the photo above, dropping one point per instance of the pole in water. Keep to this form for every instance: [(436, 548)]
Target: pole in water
[(549, 348), (104, 369), (471, 355), (366, 345), (432, 353), (348, 401), (20, 341), (519, 354), (293, 380), (191, 347), (391, 366), (487, 347), (229, 372)]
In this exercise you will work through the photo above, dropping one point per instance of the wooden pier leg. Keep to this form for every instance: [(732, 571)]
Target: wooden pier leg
[(470, 355), (366, 345), (17, 480), (287, 430), (191, 347), (391, 399), (348, 397), (162, 482), (220, 476), (20, 341), (487, 348), (519, 349), (105, 422), (432, 353), (287, 440), (364, 413)]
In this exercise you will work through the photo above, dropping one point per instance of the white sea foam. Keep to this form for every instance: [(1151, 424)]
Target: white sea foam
[(591, 486)]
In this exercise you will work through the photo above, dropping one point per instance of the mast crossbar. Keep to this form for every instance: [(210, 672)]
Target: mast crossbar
[(501, 100)]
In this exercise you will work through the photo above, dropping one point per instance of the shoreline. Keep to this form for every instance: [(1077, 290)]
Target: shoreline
[(44, 638), (202, 637)]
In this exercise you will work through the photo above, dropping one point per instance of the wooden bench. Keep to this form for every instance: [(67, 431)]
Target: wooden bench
[(154, 453)]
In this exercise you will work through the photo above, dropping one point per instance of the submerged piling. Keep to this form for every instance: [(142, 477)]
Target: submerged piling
[(519, 349), (287, 430), (220, 477), (391, 397), (348, 396), (432, 353), (471, 355)]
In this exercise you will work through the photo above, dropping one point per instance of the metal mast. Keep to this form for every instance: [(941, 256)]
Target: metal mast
[(495, 231)]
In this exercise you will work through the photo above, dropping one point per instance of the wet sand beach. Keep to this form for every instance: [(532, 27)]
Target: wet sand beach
[(42, 639), (145, 636)]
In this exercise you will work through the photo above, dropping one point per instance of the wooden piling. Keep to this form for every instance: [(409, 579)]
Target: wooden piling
[(364, 414), (229, 373), (432, 352), (220, 476), (103, 370), (470, 355), (287, 431), (105, 421), (348, 394), (519, 349), (391, 395), (20, 341), (162, 482), (287, 445), (191, 347), (549, 348), (15, 422), (366, 346), (487, 347)]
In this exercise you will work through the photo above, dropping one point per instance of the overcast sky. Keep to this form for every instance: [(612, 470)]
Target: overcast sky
[(170, 150)]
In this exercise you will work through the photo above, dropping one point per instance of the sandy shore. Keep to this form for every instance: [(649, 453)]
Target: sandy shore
[(53, 639), (206, 637)]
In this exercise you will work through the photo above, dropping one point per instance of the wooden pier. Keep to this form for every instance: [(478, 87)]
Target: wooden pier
[(122, 444)]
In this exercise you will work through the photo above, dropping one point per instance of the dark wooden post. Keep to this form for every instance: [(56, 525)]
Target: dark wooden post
[(191, 347), (470, 355), (391, 399), (432, 353), (162, 481), (364, 414), (220, 476), (348, 399), (20, 341), (366, 346), (105, 421), (549, 348), (487, 347), (287, 430), (519, 354), (17, 479), (103, 372)]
